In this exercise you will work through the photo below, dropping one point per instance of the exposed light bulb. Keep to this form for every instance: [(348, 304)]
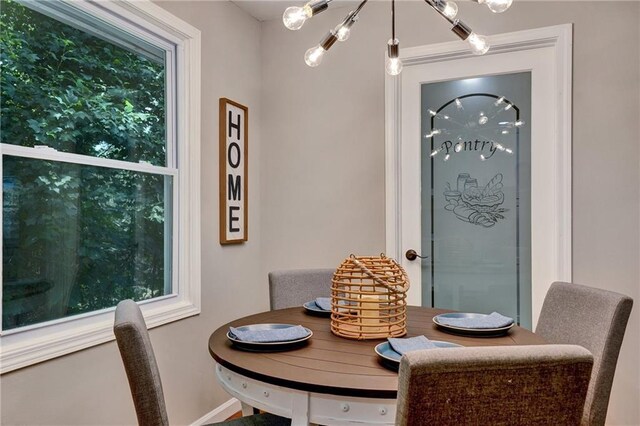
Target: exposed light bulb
[(498, 6), (343, 33), (294, 17), (393, 66), (478, 43), (450, 9), (313, 56), (343, 30)]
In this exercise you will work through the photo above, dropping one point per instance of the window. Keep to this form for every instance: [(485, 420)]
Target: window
[(100, 179)]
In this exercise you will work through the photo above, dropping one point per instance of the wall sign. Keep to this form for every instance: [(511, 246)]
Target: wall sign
[(234, 119)]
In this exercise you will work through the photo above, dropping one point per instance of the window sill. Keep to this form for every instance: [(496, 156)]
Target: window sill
[(24, 348)]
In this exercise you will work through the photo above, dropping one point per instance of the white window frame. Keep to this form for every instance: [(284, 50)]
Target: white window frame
[(28, 345)]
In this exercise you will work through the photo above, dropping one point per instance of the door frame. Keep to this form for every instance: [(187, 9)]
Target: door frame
[(557, 243)]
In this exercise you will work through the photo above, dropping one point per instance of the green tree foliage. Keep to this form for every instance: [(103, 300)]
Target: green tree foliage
[(90, 236)]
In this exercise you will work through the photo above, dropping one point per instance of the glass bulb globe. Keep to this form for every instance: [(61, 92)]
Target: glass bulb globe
[(478, 43), (313, 56), (393, 66), (343, 33), (294, 17), (451, 10), (498, 6)]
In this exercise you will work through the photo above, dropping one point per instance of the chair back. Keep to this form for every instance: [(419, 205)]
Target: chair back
[(140, 364), (292, 288), (595, 319), (544, 385)]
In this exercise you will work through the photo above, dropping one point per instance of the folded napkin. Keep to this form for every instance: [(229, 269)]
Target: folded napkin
[(494, 320), (402, 346), (323, 303), (269, 335)]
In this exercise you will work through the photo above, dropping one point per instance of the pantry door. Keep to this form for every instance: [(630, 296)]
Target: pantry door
[(478, 172)]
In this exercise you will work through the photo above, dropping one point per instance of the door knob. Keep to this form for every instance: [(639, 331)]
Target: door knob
[(411, 254)]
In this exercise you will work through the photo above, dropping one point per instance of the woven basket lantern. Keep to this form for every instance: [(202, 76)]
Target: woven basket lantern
[(368, 298)]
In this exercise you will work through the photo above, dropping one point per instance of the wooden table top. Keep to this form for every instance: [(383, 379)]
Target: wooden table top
[(335, 365)]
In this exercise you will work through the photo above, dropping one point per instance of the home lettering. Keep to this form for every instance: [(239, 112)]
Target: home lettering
[(234, 186)]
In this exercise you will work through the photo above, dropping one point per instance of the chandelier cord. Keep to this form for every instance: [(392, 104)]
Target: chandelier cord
[(393, 19)]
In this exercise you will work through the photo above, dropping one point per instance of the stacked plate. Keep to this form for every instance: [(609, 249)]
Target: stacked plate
[(391, 358), (280, 345), (442, 319), (313, 308)]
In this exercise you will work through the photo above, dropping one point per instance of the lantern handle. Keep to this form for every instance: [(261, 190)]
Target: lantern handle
[(385, 283)]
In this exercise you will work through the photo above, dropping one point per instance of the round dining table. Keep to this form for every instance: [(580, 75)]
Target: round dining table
[(330, 380)]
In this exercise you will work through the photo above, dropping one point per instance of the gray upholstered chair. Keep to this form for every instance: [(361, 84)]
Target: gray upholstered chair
[(595, 319), (143, 374), (294, 287), (507, 385)]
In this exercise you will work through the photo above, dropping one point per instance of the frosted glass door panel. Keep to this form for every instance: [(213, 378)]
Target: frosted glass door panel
[(476, 182)]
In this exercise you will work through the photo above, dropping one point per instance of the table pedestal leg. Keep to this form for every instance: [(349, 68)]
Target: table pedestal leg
[(247, 410), (300, 409)]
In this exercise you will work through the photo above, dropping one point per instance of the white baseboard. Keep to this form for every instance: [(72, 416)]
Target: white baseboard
[(219, 414)]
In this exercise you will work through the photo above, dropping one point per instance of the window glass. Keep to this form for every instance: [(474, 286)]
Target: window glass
[(81, 238), (82, 91)]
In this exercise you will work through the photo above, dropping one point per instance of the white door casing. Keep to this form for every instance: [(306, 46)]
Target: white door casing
[(547, 54)]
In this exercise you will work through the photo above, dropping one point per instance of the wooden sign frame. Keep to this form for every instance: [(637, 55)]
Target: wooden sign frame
[(234, 168)]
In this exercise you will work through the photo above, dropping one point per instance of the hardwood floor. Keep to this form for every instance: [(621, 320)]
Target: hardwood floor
[(236, 416)]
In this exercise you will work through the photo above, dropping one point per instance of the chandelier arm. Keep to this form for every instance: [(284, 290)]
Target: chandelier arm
[(460, 29), (360, 6), (433, 4), (353, 15), (318, 6)]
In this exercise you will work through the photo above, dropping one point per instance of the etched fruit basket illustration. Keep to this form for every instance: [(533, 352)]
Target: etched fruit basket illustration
[(478, 206)]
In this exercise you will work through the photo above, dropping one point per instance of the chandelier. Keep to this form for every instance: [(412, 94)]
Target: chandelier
[(294, 18)]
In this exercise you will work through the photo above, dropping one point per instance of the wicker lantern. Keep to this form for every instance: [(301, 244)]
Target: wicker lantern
[(368, 298)]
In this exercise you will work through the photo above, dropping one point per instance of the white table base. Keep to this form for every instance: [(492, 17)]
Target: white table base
[(305, 408)]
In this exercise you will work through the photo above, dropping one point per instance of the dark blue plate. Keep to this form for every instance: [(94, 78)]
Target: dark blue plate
[(480, 332), (314, 309), (268, 346), (391, 358)]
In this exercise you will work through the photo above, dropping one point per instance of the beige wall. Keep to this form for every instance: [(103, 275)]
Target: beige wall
[(90, 387), (323, 137)]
